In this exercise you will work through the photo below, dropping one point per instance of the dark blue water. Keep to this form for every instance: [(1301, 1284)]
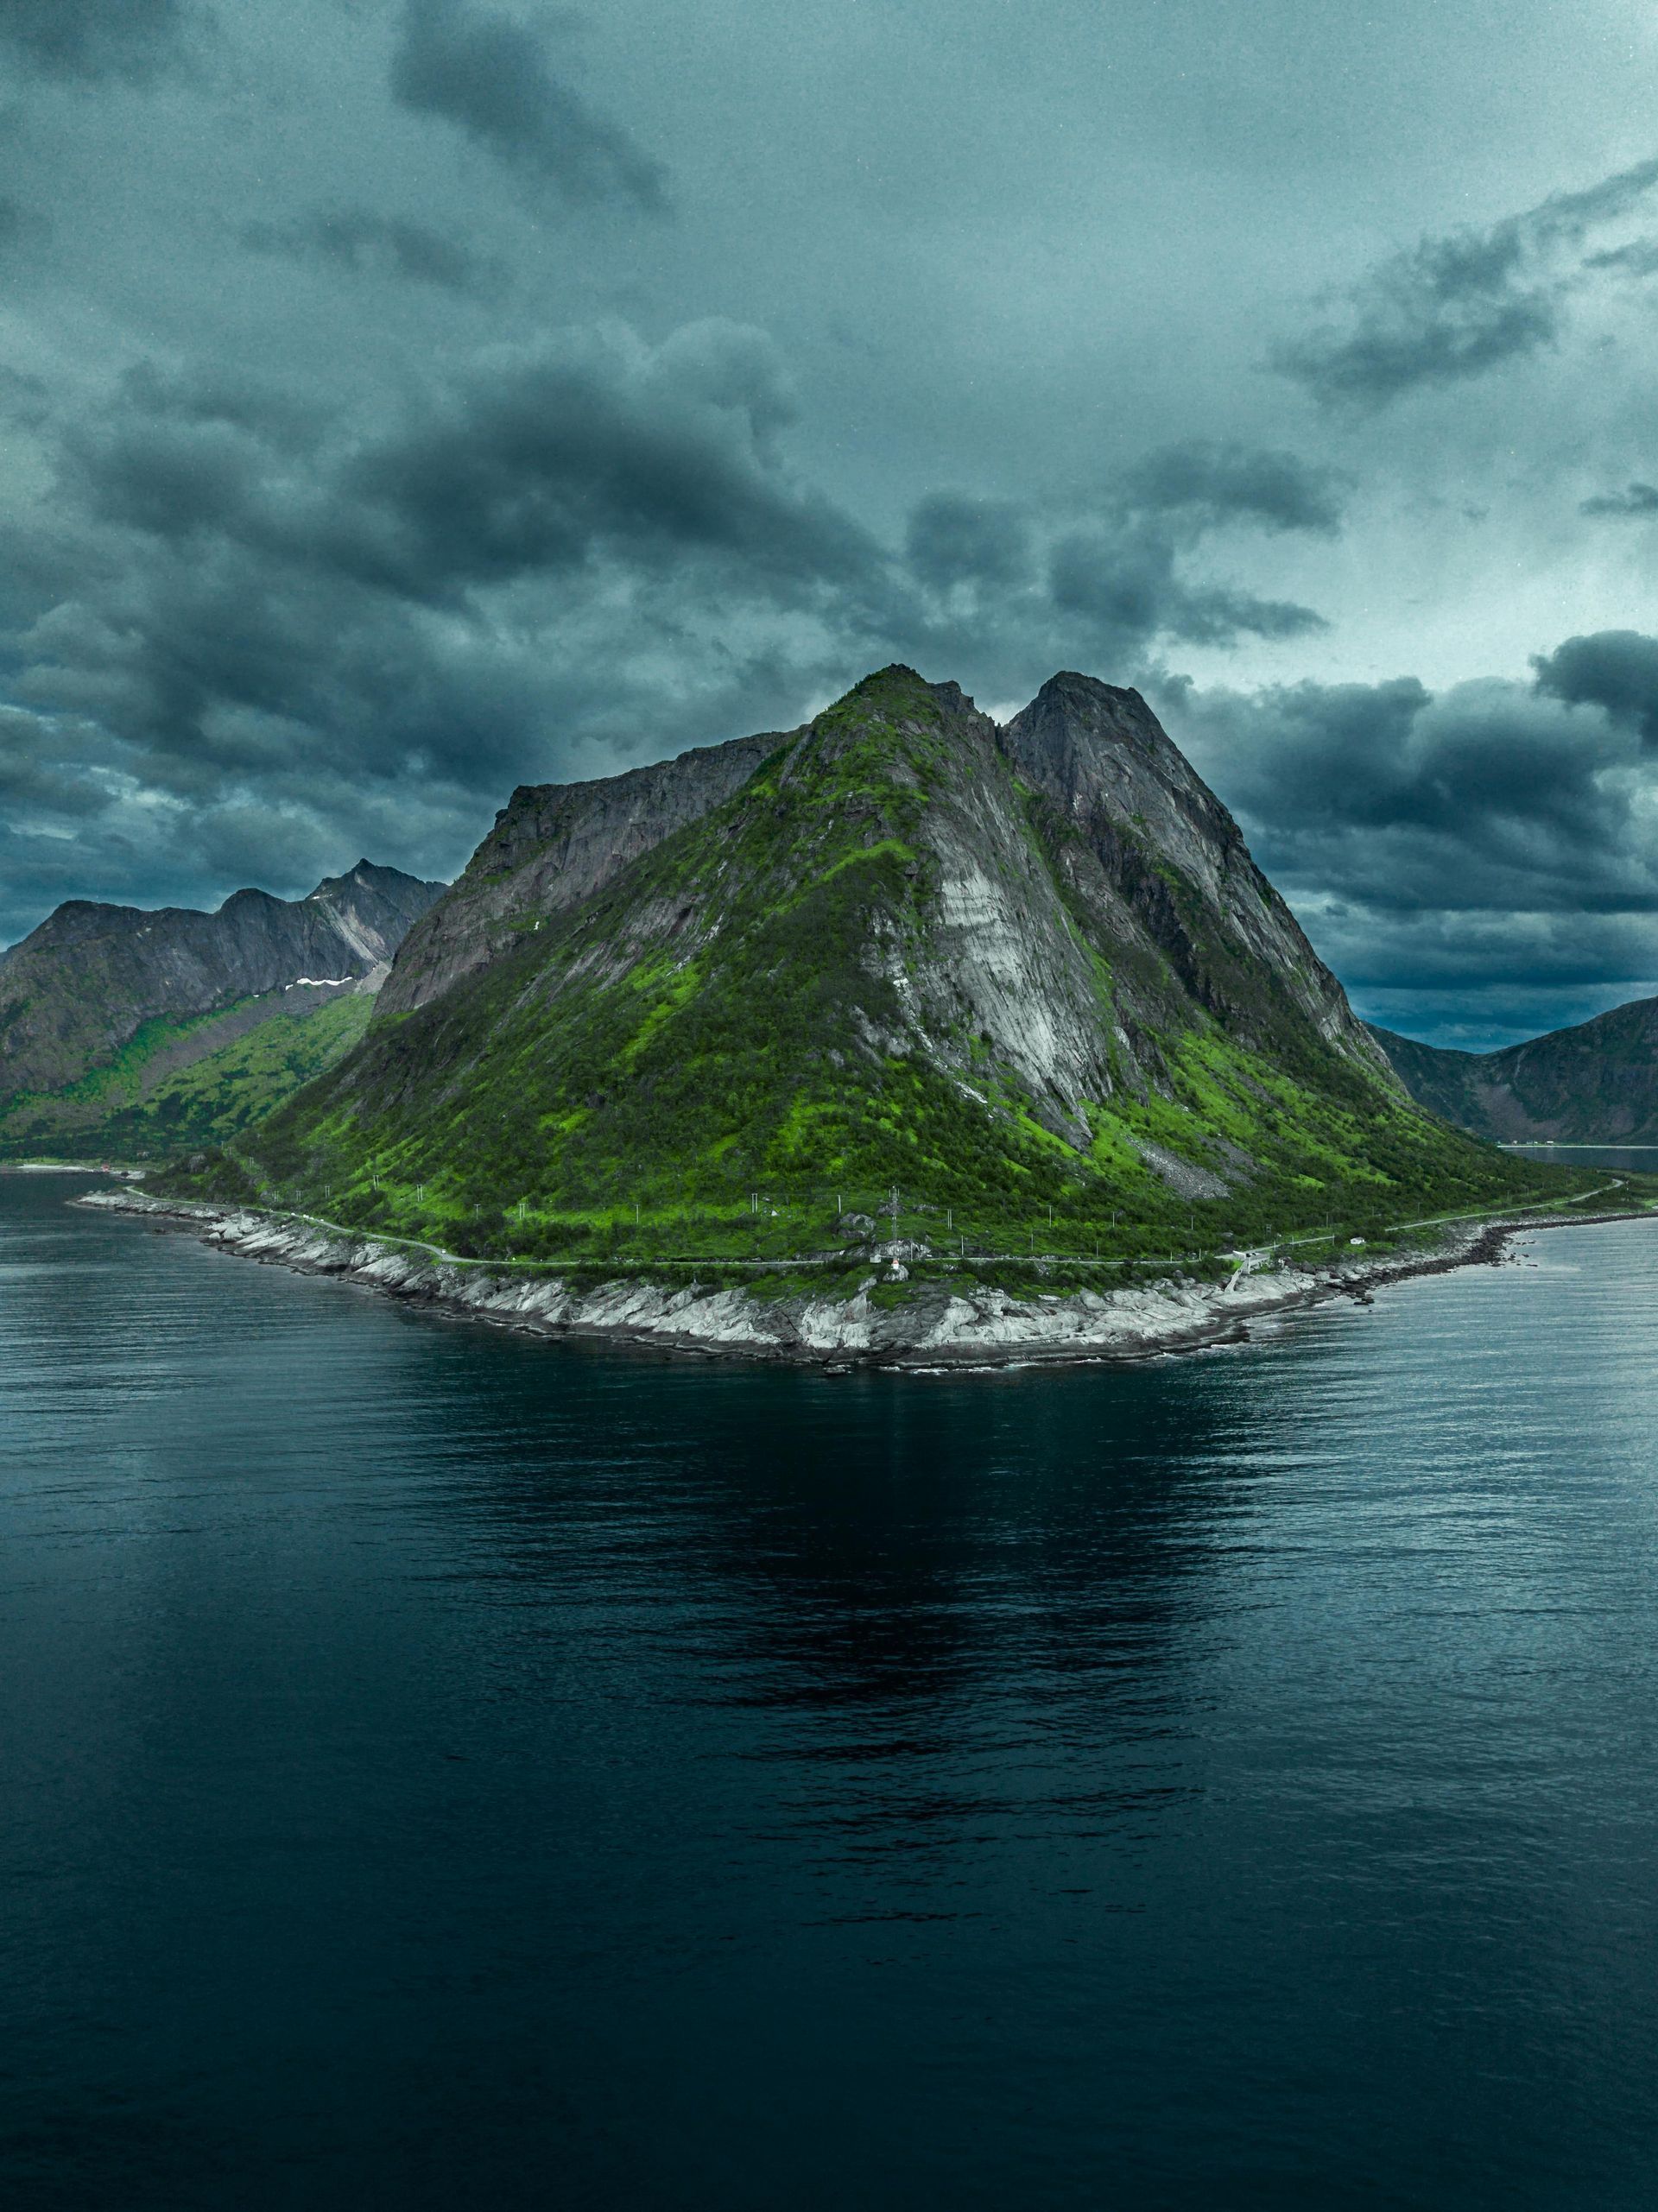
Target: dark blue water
[(441, 1769)]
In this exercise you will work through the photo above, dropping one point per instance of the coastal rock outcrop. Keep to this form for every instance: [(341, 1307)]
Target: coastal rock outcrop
[(943, 1325)]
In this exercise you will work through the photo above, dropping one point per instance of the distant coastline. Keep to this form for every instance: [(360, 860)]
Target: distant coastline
[(941, 1325), (67, 1167)]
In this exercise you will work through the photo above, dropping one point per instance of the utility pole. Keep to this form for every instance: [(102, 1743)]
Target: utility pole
[(894, 1213)]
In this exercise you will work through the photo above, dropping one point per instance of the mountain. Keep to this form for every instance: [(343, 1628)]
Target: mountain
[(980, 978), (119, 1026), (554, 844), (1594, 1084)]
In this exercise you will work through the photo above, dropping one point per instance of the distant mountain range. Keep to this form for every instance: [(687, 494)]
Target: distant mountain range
[(1594, 1084), (899, 960), (138, 1032)]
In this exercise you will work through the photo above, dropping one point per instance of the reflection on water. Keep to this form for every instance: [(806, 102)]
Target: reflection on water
[(443, 1768)]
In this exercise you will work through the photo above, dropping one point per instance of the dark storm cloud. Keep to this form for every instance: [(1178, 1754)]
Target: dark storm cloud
[(89, 39), (365, 243), (265, 601), (1568, 217), (264, 612), (1451, 307), (1479, 981), (1489, 793), (1215, 482), (1616, 669), (165, 478), (490, 77), (33, 773), (1448, 309), (952, 540), (62, 793), (1635, 499), (549, 461), (535, 462), (1123, 585), (239, 398), (1638, 258), (1127, 571), (177, 456), (1114, 575), (1480, 841)]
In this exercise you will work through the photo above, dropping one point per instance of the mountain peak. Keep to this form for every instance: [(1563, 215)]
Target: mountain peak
[(1072, 681), (898, 688), (1072, 711), (896, 680), (371, 876)]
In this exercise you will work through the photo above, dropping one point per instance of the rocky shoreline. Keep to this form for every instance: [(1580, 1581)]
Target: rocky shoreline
[(941, 1325)]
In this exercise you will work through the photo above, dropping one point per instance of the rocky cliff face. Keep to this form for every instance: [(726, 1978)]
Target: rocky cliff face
[(1143, 844), (1594, 1084), (554, 844), (79, 987), (1159, 860), (998, 969)]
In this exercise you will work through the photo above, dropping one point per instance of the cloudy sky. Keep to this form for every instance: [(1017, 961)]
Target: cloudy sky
[(404, 398)]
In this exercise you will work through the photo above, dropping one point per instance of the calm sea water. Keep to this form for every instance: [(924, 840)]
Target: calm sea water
[(441, 1769)]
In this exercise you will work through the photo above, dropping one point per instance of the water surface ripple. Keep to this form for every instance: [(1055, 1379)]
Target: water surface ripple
[(444, 1769)]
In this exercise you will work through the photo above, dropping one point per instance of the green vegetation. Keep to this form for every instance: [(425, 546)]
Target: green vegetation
[(1594, 1084), (719, 1056), (177, 1085)]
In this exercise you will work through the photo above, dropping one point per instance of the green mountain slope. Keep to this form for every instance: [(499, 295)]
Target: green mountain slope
[(1596, 1083), (104, 1007), (178, 1086), (554, 844), (76, 989), (1020, 978)]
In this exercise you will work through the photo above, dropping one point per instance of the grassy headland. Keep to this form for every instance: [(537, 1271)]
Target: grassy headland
[(758, 1046)]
